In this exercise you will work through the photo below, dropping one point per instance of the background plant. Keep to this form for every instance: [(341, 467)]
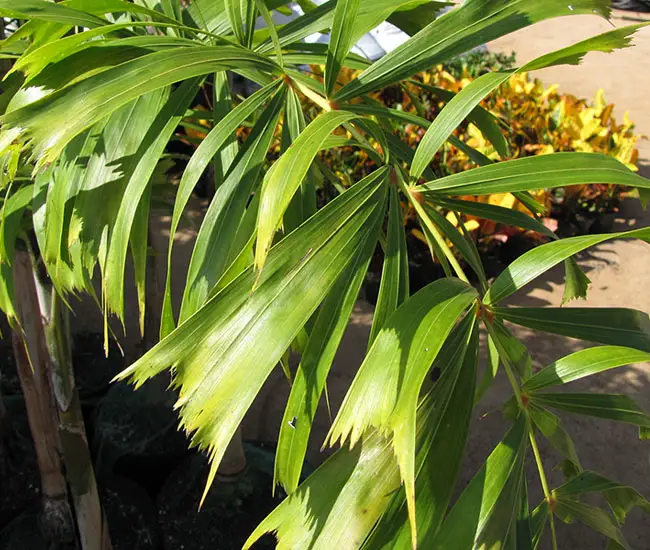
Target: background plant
[(99, 90), (537, 120)]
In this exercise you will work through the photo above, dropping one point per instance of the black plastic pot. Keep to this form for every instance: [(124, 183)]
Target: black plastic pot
[(632, 5)]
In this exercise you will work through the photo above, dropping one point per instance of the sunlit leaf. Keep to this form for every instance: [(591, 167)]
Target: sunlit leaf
[(443, 423), (466, 249), (584, 363), (146, 158), (235, 13), (213, 142), (221, 107), (286, 175), (472, 24), (394, 286), (217, 372), (596, 518), (576, 283), (451, 116), (303, 203), (540, 259), (83, 199), (515, 353), (574, 54), (214, 243), (34, 61), (315, 362), (506, 216), (621, 498), (11, 214), (48, 11), (49, 125), (341, 39), (385, 391), (370, 14), (484, 120), (530, 173), (553, 429), (338, 504), (478, 116)]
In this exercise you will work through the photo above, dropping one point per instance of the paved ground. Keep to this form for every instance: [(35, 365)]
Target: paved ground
[(623, 74)]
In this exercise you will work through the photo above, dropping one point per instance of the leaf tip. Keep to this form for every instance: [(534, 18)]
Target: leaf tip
[(213, 472)]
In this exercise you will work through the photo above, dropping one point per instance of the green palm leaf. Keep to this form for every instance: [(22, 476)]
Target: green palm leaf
[(47, 122), (311, 375), (621, 498), (218, 137), (506, 216), (83, 199), (584, 363), (609, 406), (443, 423), (483, 509), (214, 244), (615, 326), (531, 173), (553, 429), (48, 11), (594, 517), (537, 261), (353, 487), (217, 373), (146, 159), (470, 25), (341, 39), (303, 203), (286, 175), (463, 103), (394, 286), (385, 391)]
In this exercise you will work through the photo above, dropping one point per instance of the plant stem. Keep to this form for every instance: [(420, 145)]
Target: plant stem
[(506, 363), (544, 481), (315, 97), (531, 435), (474, 249), (30, 352), (91, 522), (440, 241)]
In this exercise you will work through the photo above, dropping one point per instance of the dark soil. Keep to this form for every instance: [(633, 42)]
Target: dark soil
[(150, 484), (231, 509), (19, 480)]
